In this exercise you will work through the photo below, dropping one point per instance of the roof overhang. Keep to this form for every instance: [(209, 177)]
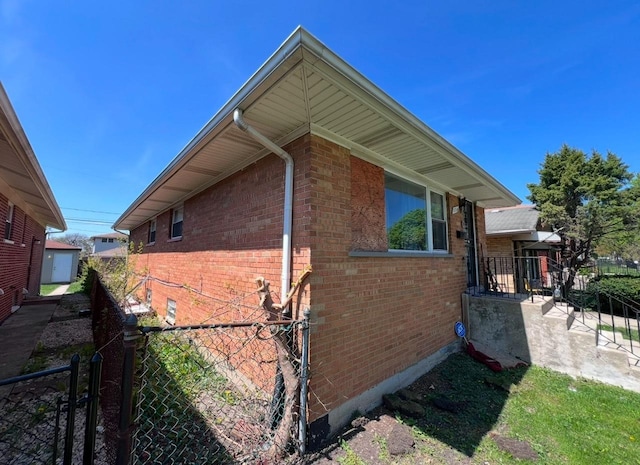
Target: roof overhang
[(510, 232), (21, 177), (538, 236), (527, 235), (305, 88)]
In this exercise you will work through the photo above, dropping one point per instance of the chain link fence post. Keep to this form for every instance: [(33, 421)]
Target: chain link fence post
[(71, 409), (95, 368), (304, 375), (131, 335)]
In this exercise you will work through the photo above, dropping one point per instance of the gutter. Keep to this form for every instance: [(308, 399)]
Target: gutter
[(288, 198)]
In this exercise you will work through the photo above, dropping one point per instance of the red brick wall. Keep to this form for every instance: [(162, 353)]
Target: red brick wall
[(14, 257), (372, 317), (503, 269), (499, 246), (368, 230), (232, 233)]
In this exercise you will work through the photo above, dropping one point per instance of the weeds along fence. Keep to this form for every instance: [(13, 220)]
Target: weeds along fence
[(215, 393), (108, 322)]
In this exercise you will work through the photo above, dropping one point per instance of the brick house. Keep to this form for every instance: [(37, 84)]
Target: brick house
[(310, 163), (27, 207), (518, 245)]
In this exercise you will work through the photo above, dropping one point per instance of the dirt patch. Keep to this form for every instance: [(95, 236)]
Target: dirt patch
[(517, 448), (30, 412), (460, 403)]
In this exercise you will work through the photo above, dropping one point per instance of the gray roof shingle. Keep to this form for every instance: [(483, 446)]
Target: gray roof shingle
[(519, 219)]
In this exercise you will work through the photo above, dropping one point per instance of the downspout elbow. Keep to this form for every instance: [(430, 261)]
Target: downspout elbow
[(288, 197), (267, 143)]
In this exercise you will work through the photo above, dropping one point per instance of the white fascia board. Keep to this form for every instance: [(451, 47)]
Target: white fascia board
[(23, 150), (510, 232), (404, 119), (327, 63), (538, 236), (224, 116)]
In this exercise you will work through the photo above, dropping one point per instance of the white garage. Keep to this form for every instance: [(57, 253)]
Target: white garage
[(60, 263)]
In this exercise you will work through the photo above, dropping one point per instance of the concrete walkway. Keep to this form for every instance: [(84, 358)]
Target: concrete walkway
[(20, 333)]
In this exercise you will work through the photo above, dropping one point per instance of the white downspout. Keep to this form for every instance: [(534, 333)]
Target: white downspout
[(288, 198)]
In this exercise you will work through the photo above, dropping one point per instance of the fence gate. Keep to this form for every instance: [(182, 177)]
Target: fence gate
[(217, 394), (38, 416)]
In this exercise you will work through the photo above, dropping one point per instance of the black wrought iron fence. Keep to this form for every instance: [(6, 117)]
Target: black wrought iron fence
[(38, 416), (520, 277)]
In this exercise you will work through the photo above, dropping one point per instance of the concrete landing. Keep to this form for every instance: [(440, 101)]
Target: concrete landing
[(18, 337)]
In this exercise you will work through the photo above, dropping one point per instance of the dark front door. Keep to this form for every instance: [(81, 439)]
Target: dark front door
[(470, 243)]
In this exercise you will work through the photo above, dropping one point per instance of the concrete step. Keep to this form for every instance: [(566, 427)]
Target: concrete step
[(609, 340), (586, 324)]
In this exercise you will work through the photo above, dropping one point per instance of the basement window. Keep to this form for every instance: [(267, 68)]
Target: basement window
[(171, 312)]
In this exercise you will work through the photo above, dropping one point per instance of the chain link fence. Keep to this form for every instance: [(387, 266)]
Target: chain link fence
[(218, 393), (107, 324)]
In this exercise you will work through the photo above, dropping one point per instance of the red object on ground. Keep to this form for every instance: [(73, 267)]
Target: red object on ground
[(493, 364)]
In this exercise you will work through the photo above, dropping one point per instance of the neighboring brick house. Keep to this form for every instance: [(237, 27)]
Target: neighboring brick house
[(27, 207), (388, 213), (518, 235)]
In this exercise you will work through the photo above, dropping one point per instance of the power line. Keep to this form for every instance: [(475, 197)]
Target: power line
[(89, 221), (90, 211), (75, 230)]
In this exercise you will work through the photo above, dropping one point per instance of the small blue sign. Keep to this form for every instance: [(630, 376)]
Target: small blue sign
[(461, 331)]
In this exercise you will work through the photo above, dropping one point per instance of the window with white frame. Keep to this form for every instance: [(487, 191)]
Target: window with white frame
[(152, 232), (8, 222), (171, 312), (148, 299), (416, 216), (176, 222)]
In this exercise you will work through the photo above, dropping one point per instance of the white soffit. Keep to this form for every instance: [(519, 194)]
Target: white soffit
[(302, 88), (21, 177)]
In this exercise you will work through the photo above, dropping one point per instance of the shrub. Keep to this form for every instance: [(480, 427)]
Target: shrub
[(623, 288)]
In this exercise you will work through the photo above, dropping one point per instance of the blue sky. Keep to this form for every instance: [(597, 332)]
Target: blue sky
[(109, 92)]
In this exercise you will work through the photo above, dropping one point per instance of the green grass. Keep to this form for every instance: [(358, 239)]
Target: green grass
[(176, 375), (76, 287), (575, 421), (562, 420), (46, 289), (634, 332)]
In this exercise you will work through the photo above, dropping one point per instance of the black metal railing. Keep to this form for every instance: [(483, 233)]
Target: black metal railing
[(519, 277), (525, 277), (620, 317), (37, 423)]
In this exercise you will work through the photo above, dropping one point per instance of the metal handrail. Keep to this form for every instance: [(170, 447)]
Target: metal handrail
[(514, 277)]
